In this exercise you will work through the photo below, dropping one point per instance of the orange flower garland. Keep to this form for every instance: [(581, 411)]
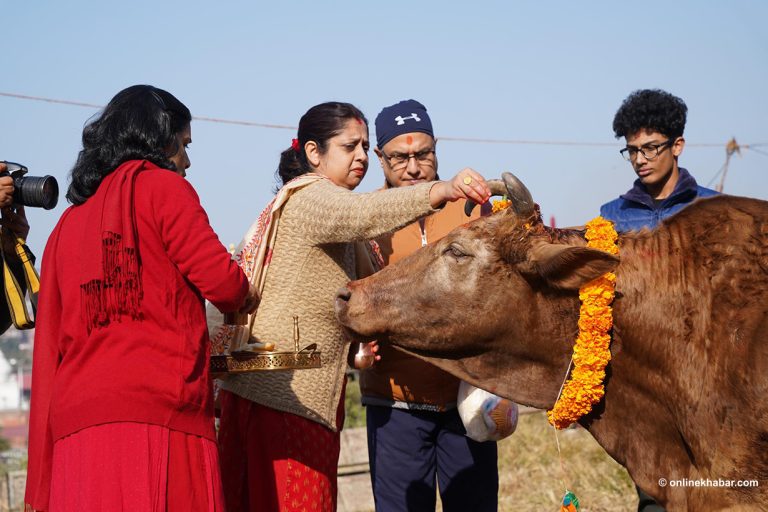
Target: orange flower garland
[(500, 204), (591, 353)]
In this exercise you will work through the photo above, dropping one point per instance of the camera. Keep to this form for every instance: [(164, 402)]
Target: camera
[(34, 191)]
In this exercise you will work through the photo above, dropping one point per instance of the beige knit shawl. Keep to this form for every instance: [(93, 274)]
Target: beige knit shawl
[(254, 254), (314, 255)]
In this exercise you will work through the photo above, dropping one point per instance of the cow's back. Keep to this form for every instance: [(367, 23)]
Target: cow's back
[(694, 294)]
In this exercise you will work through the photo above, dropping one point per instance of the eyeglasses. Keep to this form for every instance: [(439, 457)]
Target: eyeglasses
[(399, 161), (649, 151)]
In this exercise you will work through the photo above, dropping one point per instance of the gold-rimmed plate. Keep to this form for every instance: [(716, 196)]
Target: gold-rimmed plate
[(245, 362)]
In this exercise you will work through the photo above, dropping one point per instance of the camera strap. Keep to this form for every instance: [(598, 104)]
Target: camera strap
[(14, 293)]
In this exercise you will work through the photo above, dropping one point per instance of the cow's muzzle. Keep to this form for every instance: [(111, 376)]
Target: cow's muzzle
[(351, 316), (341, 303)]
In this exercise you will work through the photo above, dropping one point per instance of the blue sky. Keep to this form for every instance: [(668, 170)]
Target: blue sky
[(537, 71)]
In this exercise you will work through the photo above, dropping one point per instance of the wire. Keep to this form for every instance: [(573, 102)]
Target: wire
[(291, 127), (527, 142), (245, 123), (49, 100), (197, 118), (757, 150), (716, 175)]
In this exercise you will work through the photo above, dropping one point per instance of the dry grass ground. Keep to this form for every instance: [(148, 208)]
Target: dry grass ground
[(530, 478)]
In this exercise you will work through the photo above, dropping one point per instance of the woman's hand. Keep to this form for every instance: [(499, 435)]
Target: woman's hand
[(6, 188), (252, 301), (366, 355), (467, 184)]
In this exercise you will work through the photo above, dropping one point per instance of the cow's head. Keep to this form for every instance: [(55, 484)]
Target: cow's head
[(495, 302)]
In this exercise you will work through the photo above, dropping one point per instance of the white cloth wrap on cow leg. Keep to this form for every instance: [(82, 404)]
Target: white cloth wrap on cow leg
[(486, 417)]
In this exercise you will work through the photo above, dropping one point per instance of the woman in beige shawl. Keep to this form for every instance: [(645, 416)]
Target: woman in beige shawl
[(279, 434)]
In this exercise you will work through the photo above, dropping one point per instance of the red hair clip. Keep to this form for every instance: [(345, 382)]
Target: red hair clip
[(295, 145)]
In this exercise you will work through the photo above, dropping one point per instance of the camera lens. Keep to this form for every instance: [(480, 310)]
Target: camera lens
[(36, 191)]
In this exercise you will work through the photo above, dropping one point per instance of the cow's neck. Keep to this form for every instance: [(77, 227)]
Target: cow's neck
[(529, 377), (529, 373), (640, 390)]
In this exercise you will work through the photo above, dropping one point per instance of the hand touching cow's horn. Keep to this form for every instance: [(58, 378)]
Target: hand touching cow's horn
[(497, 189), (513, 188), (519, 194)]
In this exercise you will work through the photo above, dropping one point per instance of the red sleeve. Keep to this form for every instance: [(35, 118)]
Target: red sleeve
[(45, 362), (192, 245)]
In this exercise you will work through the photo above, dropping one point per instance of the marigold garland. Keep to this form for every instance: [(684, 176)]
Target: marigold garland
[(500, 204), (592, 350)]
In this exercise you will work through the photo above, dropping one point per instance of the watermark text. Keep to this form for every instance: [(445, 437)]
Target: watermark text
[(707, 482)]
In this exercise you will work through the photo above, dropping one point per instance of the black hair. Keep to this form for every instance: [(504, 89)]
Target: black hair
[(139, 123), (651, 109), (319, 124)]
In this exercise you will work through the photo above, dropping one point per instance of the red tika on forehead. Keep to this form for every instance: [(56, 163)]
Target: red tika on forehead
[(409, 139)]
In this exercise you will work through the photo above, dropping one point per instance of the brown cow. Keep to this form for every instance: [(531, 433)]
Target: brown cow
[(496, 304)]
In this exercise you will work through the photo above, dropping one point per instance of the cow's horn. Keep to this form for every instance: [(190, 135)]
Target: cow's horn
[(498, 188), (522, 202)]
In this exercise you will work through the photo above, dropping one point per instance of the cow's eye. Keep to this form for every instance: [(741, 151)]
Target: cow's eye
[(455, 251)]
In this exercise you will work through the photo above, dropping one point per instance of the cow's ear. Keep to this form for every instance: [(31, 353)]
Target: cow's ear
[(569, 267)]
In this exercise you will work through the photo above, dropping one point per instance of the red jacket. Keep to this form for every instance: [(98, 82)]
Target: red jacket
[(153, 370)]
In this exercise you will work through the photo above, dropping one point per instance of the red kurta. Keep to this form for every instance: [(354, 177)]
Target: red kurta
[(153, 370), (277, 461), (148, 469)]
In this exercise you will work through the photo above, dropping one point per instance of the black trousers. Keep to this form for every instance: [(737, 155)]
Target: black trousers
[(410, 451)]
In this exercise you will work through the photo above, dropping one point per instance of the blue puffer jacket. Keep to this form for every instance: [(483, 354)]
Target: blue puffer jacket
[(635, 209)]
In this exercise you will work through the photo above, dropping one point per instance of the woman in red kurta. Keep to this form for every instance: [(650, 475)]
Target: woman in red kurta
[(122, 412)]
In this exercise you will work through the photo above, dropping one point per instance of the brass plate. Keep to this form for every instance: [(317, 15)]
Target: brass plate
[(265, 361)]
